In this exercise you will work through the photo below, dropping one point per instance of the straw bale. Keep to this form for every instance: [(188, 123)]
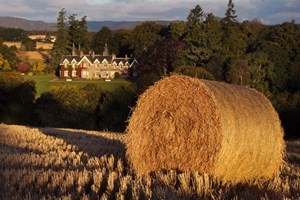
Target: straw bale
[(183, 123)]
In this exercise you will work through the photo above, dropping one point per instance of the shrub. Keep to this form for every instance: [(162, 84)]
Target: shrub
[(115, 107), (117, 75), (23, 67), (197, 72), (69, 106), (288, 107), (17, 98), (146, 81)]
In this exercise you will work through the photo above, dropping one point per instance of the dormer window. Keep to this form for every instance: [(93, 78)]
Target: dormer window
[(66, 73), (104, 62), (121, 65), (85, 65)]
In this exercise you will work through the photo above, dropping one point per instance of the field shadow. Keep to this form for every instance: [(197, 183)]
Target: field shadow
[(45, 56), (93, 145), (293, 149), (217, 188), (5, 148)]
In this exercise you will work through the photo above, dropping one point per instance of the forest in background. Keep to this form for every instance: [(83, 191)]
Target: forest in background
[(246, 53)]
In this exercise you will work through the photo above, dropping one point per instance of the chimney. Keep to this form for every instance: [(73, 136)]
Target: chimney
[(81, 54), (93, 54), (113, 56), (73, 50), (105, 52), (126, 57)]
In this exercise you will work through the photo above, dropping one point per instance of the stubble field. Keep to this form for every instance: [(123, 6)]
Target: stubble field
[(49, 163)]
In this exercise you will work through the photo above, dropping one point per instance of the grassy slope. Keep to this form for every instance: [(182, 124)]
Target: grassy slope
[(44, 82)]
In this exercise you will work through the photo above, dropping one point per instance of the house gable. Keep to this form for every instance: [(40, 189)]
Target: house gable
[(134, 62), (96, 61), (104, 61), (66, 61), (84, 58), (73, 61)]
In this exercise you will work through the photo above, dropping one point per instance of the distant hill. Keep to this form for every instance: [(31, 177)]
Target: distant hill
[(93, 26), (27, 25)]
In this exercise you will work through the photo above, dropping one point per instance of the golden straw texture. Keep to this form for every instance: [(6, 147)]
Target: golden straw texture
[(225, 130)]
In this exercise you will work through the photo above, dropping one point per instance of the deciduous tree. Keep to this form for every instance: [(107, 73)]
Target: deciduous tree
[(143, 36), (100, 39)]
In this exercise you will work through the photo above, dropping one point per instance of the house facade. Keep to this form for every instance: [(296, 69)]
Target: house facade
[(93, 66)]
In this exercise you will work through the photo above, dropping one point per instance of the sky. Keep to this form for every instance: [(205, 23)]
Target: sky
[(267, 11)]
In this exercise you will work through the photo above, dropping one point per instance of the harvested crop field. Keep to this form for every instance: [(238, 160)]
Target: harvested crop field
[(52, 163), (10, 44), (34, 55), (44, 45), (39, 45)]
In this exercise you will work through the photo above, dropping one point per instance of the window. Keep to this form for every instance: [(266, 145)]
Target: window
[(66, 73), (85, 65), (104, 75), (74, 73), (84, 74), (97, 74), (104, 62)]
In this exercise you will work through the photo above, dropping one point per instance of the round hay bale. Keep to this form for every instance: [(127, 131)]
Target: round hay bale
[(183, 123)]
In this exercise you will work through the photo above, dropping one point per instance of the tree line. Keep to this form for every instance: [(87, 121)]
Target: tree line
[(249, 53), (8, 55)]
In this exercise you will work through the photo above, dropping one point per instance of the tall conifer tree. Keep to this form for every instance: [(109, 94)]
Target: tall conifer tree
[(61, 45), (230, 13)]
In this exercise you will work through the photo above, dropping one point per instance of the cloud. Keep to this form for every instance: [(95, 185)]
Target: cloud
[(292, 3), (270, 11)]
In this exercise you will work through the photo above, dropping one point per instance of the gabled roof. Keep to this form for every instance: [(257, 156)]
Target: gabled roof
[(69, 58), (120, 60), (91, 59), (100, 58), (84, 58)]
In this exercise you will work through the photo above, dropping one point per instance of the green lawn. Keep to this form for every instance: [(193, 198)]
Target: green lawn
[(44, 82)]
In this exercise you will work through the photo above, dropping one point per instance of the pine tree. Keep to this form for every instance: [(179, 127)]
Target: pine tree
[(101, 38), (78, 32), (230, 13), (196, 38), (61, 45), (234, 40), (195, 17)]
